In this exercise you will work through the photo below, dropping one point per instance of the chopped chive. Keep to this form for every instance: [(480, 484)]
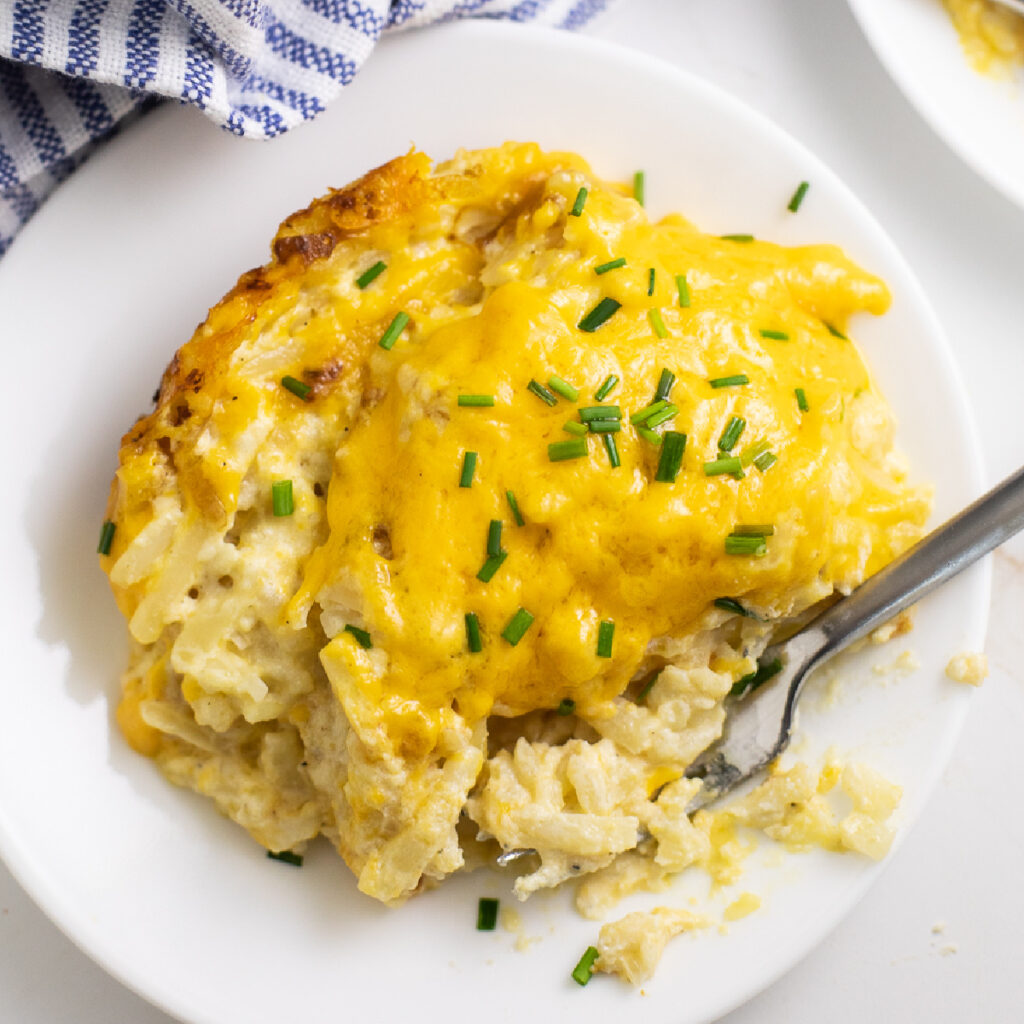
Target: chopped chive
[(286, 857), (606, 387), (639, 183), (476, 400), (602, 312), (758, 678), (648, 686), (608, 426), (494, 537), (835, 332), (736, 238), (486, 914), (600, 412), (731, 434), (473, 641), (514, 505), (564, 388), (671, 458), (281, 497), (644, 414), (801, 399), (614, 264), (654, 316), (754, 530), (367, 276), (730, 604), (723, 465), (573, 448), (798, 196), (491, 566), (729, 382), (650, 281), (582, 972), (650, 435), (361, 635), (390, 336), (745, 545), (566, 707), (752, 451), (296, 387), (665, 384), (774, 335), (765, 672), (612, 449), (605, 635), (577, 206), (574, 427), (468, 469), (517, 626), (106, 537), (740, 686), (661, 416), (542, 393), (684, 290), (765, 461)]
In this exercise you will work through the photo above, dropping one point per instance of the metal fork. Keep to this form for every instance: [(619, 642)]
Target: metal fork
[(757, 727)]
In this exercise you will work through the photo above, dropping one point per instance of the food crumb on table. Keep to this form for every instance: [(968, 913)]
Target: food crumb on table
[(512, 921), (744, 905), (968, 667), (901, 665), (632, 946)]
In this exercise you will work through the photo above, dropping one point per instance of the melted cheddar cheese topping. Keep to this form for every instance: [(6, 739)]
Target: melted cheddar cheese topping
[(598, 543), (251, 680)]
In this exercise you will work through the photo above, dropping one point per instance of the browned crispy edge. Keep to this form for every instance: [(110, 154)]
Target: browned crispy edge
[(306, 237)]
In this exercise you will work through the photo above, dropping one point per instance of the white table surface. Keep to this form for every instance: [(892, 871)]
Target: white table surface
[(939, 936)]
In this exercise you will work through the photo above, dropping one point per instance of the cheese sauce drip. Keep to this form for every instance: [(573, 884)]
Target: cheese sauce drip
[(406, 541)]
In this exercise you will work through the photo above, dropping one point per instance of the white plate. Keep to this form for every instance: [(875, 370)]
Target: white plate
[(980, 118), (101, 288)]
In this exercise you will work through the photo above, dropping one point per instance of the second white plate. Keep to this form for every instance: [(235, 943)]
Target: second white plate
[(980, 118)]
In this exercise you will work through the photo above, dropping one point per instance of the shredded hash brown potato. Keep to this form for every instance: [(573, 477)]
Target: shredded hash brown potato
[(311, 672)]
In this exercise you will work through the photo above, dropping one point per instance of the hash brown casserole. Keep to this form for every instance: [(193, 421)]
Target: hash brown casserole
[(461, 519)]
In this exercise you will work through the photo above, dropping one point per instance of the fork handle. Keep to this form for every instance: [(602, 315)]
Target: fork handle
[(946, 551)]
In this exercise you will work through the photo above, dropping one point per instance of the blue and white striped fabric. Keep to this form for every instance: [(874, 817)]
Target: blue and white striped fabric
[(72, 71)]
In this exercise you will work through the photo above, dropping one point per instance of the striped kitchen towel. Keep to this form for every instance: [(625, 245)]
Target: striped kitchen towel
[(74, 71)]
